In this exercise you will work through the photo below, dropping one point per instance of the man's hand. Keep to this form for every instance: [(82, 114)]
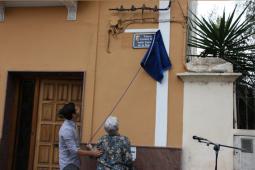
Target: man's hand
[(96, 153)]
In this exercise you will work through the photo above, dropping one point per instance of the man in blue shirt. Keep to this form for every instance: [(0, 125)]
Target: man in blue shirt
[(69, 147)]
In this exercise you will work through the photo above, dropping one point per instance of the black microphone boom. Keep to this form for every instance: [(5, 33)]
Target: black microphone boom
[(216, 147), (198, 138)]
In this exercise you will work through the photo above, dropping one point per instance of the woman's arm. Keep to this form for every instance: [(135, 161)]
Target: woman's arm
[(94, 153), (127, 156)]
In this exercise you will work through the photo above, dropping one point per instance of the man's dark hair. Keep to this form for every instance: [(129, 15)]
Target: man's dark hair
[(67, 111)]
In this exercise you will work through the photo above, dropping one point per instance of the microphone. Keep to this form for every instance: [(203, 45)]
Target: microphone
[(198, 138)]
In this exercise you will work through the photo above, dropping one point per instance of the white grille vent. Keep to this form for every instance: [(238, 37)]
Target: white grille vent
[(247, 145)]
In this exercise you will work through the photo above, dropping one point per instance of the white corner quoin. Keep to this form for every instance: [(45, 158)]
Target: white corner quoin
[(162, 88)]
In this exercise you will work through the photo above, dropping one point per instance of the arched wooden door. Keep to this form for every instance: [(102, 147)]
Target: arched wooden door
[(53, 95)]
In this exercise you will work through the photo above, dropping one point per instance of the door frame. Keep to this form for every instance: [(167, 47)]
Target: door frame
[(34, 125), (9, 125)]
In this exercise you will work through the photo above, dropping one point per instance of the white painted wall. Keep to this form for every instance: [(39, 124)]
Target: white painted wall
[(208, 112), (244, 160)]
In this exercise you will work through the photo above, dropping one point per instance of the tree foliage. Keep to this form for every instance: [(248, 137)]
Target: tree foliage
[(250, 13), (227, 38)]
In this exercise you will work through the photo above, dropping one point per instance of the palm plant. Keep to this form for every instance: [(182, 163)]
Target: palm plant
[(226, 38)]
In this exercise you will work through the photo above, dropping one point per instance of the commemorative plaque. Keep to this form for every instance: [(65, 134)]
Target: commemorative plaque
[(142, 40)]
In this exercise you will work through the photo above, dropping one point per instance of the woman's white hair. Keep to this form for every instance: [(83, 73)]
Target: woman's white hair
[(111, 125)]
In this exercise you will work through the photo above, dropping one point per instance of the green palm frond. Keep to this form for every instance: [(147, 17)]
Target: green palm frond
[(221, 35), (226, 38)]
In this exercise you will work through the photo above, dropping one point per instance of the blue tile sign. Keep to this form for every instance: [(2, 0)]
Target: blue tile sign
[(142, 40)]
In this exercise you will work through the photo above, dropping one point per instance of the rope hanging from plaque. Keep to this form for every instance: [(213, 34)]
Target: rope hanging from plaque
[(155, 54)]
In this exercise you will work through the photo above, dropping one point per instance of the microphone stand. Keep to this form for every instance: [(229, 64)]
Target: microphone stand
[(216, 148)]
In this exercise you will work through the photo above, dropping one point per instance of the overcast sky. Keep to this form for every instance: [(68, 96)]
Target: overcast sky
[(205, 8)]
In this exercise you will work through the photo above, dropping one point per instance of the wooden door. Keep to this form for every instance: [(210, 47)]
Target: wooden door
[(53, 95)]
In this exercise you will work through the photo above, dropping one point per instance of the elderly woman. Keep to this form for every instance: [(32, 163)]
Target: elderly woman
[(116, 148)]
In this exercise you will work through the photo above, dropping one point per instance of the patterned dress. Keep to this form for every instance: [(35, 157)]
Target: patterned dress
[(116, 153)]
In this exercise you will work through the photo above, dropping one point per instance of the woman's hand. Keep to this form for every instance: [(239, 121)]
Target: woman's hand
[(96, 153)]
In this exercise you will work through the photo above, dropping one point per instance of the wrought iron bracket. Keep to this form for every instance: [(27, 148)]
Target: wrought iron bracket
[(142, 8)]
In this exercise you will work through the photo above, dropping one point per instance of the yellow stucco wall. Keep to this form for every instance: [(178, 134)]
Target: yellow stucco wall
[(41, 39), (114, 71)]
